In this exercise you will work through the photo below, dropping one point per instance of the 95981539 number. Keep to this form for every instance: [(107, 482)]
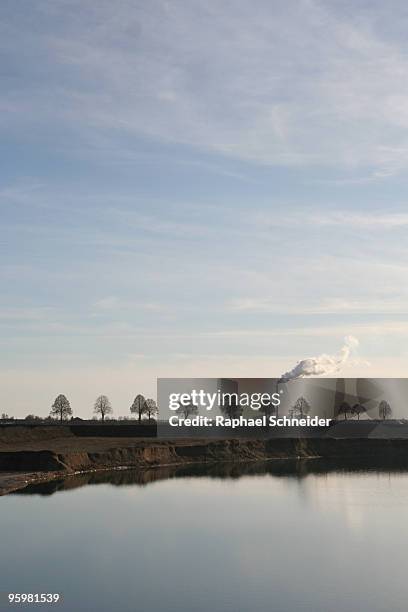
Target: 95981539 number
[(24, 598)]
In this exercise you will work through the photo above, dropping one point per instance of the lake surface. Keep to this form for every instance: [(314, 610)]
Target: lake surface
[(280, 537)]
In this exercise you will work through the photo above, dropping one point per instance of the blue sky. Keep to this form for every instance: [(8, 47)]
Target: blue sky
[(198, 189)]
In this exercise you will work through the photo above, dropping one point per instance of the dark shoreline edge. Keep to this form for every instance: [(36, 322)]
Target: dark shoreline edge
[(21, 468), (10, 482)]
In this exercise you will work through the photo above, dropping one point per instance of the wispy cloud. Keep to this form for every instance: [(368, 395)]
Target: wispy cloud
[(112, 303), (325, 306), (292, 217), (201, 184), (301, 83)]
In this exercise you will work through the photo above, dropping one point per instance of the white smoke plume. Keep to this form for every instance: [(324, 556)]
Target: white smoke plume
[(324, 364)]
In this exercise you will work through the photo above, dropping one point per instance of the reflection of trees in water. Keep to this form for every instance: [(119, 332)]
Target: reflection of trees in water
[(276, 468)]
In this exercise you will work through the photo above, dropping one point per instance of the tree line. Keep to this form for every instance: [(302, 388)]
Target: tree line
[(300, 409), (147, 409), (384, 410), (143, 408)]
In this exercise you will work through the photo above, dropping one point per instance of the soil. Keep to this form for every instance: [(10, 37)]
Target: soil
[(29, 455)]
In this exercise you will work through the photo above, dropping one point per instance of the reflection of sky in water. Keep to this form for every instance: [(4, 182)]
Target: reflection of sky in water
[(327, 542)]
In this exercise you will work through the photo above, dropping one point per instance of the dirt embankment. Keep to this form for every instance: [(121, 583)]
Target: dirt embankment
[(93, 454), (35, 454), (45, 452)]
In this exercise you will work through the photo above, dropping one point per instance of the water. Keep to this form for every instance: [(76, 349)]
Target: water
[(279, 537)]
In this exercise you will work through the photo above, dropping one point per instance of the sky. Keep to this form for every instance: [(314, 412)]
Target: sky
[(198, 188)]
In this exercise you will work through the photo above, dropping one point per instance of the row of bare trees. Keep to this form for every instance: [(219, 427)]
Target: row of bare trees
[(300, 409), (232, 409), (384, 410), (142, 407), (147, 408)]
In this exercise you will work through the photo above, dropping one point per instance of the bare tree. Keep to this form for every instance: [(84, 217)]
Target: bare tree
[(358, 409), (61, 407), (32, 417), (384, 410), (268, 409), (231, 407), (102, 406), (345, 409), (188, 410), (151, 409), (139, 406), (301, 407)]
